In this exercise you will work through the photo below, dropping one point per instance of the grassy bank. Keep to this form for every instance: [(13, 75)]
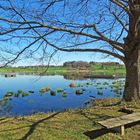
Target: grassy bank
[(38, 70), (78, 124), (97, 68)]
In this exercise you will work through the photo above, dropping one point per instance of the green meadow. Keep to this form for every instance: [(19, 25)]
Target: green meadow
[(96, 68), (80, 124)]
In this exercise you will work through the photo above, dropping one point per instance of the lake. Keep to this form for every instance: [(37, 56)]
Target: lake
[(24, 94)]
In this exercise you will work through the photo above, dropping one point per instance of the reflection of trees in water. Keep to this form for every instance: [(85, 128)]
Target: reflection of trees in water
[(86, 75), (75, 76), (5, 106)]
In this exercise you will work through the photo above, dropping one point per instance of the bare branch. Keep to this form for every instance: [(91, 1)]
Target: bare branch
[(120, 21), (18, 28), (120, 4), (64, 30), (86, 50), (116, 46), (72, 32)]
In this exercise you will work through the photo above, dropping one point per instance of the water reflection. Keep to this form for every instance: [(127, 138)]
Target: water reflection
[(75, 76), (21, 95), (86, 75)]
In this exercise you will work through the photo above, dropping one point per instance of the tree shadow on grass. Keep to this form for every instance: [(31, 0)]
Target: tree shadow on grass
[(5, 120), (89, 116), (97, 133), (1, 119), (34, 125), (100, 132)]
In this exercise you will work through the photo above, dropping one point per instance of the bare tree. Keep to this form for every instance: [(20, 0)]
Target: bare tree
[(111, 27)]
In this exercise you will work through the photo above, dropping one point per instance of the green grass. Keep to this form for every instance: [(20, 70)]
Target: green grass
[(107, 69), (97, 68), (69, 125), (37, 70)]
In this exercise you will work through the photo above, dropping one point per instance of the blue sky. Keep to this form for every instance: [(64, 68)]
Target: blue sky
[(62, 57)]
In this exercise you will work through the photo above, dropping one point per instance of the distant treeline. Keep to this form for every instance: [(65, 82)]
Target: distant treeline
[(75, 64)]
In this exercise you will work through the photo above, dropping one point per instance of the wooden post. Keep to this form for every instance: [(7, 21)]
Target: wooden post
[(119, 129), (122, 130)]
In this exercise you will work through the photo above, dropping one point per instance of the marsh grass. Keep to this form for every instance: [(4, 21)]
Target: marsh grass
[(80, 124)]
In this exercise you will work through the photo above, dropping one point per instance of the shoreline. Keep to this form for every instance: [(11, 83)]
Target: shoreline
[(79, 124)]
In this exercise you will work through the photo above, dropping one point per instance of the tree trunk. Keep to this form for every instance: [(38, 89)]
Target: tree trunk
[(132, 84), (132, 54)]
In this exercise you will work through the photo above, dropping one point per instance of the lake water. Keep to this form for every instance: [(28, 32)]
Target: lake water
[(57, 101)]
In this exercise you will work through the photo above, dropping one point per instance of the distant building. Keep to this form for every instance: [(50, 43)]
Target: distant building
[(76, 64)]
